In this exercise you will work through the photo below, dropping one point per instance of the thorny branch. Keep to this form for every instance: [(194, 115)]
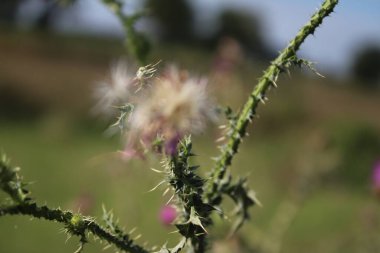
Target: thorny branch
[(238, 127)]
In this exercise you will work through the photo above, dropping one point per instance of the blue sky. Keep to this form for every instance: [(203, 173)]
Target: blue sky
[(354, 22)]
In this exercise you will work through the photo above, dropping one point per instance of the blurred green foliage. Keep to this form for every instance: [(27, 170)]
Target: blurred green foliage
[(358, 145)]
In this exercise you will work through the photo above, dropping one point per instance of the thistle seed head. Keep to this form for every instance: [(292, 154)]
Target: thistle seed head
[(116, 90), (175, 105)]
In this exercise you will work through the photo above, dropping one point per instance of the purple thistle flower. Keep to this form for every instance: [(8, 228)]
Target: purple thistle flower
[(171, 145), (167, 215), (376, 177)]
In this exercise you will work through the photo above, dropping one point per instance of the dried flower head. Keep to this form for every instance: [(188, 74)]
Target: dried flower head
[(176, 105), (167, 108), (117, 90)]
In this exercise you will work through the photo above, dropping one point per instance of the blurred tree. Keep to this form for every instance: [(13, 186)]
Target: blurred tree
[(8, 9), (366, 67), (175, 18), (245, 28), (51, 9), (44, 21)]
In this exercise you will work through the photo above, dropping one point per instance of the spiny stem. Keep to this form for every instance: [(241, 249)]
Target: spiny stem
[(189, 188), (268, 80), (135, 42), (66, 218), (75, 224)]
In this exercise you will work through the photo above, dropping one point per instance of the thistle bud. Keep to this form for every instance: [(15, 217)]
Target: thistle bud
[(167, 215)]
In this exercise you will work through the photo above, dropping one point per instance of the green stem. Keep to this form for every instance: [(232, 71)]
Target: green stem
[(248, 112), (135, 43), (188, 187), (76, 223)]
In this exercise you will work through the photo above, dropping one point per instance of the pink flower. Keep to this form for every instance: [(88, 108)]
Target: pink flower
[(167, 214), (376, 178)]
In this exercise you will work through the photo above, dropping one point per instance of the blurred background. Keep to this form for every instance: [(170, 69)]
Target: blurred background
[(310, 156)]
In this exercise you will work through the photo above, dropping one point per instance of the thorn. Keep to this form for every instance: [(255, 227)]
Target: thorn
[(165, 192), (154, 188), (288, 72), (68, 238), (274, 84), (167, 203), (107, 247), (220, 139), (319, 74), (137, 237), (132, 230), (158, 171), (201, 225), (261, 98)]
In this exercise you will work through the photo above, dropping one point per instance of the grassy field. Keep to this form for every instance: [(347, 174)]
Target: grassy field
[(46, 127)]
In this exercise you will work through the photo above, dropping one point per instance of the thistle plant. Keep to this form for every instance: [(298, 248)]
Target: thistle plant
[(160, 108)]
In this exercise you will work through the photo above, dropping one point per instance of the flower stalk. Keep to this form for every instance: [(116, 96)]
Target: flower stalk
[(188, 187), (285, 60), (135, 42)]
